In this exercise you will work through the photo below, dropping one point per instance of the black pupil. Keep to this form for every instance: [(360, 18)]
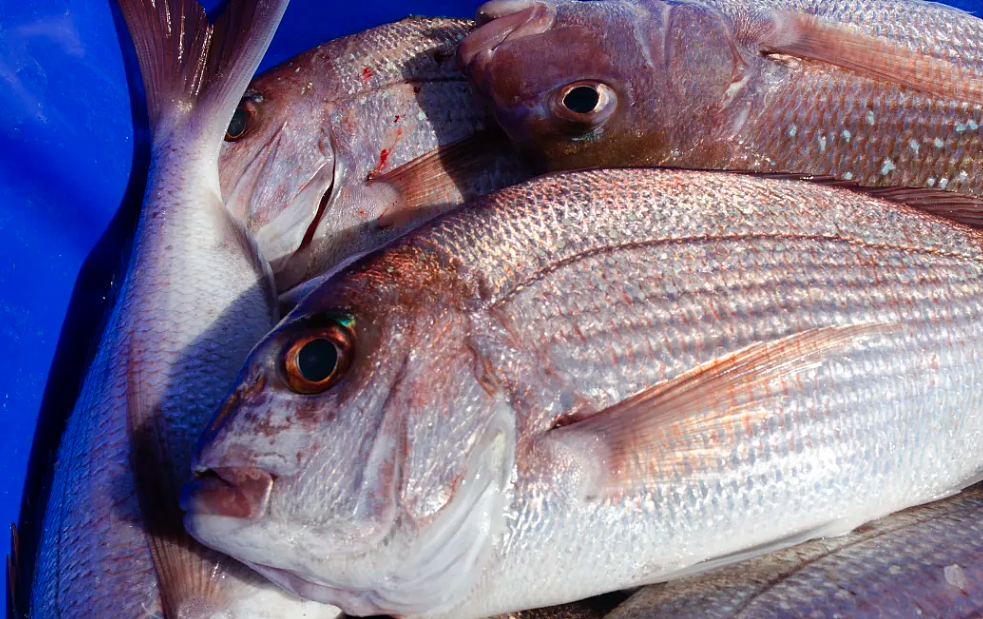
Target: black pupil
[(317, 359), (238, 125), (582, 99)]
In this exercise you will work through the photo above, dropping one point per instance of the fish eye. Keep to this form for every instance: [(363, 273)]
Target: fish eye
[(317, 360), (237, 126), (243, 117), (584, 104), (582, 99)]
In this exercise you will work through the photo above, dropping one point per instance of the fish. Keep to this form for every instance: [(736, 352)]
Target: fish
[(197, 295), (351, 144), (842, 90), (922, 562), (624, 374)]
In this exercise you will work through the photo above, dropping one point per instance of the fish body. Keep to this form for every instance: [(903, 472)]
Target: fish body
[(316, 157), (922, 562), (632, 374), (196, 297), (839, 88)]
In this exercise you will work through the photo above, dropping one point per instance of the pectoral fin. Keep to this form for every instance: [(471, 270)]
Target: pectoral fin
[(679, 427), (425, 186), (959, 207), (809, 37)]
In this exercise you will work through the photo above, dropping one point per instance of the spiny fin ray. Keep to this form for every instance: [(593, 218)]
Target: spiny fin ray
[(806, 36)]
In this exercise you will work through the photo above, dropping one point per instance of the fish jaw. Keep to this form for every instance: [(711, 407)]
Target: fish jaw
[(428, 567), (500, 22)]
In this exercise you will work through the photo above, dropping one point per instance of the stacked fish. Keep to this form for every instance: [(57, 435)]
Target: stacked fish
[(738, 321)]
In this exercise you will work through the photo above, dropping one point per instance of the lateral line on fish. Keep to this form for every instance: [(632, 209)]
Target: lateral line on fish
[(607, 249)]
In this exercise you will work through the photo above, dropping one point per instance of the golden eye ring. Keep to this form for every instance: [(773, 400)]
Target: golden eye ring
[(243, 119), (317, 360), (585, 104)]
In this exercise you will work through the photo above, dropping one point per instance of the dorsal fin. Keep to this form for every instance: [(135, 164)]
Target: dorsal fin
[(807, 36)]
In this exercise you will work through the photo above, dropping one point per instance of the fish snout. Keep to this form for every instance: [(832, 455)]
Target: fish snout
[(500, 21), (234, 492), (500, 8)]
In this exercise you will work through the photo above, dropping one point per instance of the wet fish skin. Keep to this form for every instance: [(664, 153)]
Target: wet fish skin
[(622, 372), (695, 85), (196, 297), (923, 562), (351, 110)]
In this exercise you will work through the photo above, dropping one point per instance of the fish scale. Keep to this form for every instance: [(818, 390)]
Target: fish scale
[(934, 550), (613, 371), (867, 129)]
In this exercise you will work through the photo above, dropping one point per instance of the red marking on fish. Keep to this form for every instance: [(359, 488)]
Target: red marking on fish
[(384, 155), (366, 74), (396, 120)]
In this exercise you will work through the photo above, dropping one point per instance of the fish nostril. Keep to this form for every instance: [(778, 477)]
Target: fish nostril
[(234, 492)]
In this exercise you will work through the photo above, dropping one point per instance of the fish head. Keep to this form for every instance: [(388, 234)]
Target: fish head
[(364, 456), (599, 84), (324, 169), (277, 162)]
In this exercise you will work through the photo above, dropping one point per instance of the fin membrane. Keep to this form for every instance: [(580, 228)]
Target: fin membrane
[(424, 187), (806, 36), (184, 59), (673, 428), (186, 571)]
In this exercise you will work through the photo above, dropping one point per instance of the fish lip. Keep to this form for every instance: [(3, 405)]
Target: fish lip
[(510, 20), (242, 493), (495, 9)]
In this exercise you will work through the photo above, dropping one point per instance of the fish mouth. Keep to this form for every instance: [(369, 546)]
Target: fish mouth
[(443, 562), (500, 21), (242, 493)]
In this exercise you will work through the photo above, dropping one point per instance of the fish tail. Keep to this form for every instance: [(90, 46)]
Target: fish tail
[(194, 70), (194, 73)]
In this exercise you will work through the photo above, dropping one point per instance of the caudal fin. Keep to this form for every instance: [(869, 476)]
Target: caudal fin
[(194, 73), (190, 66)]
